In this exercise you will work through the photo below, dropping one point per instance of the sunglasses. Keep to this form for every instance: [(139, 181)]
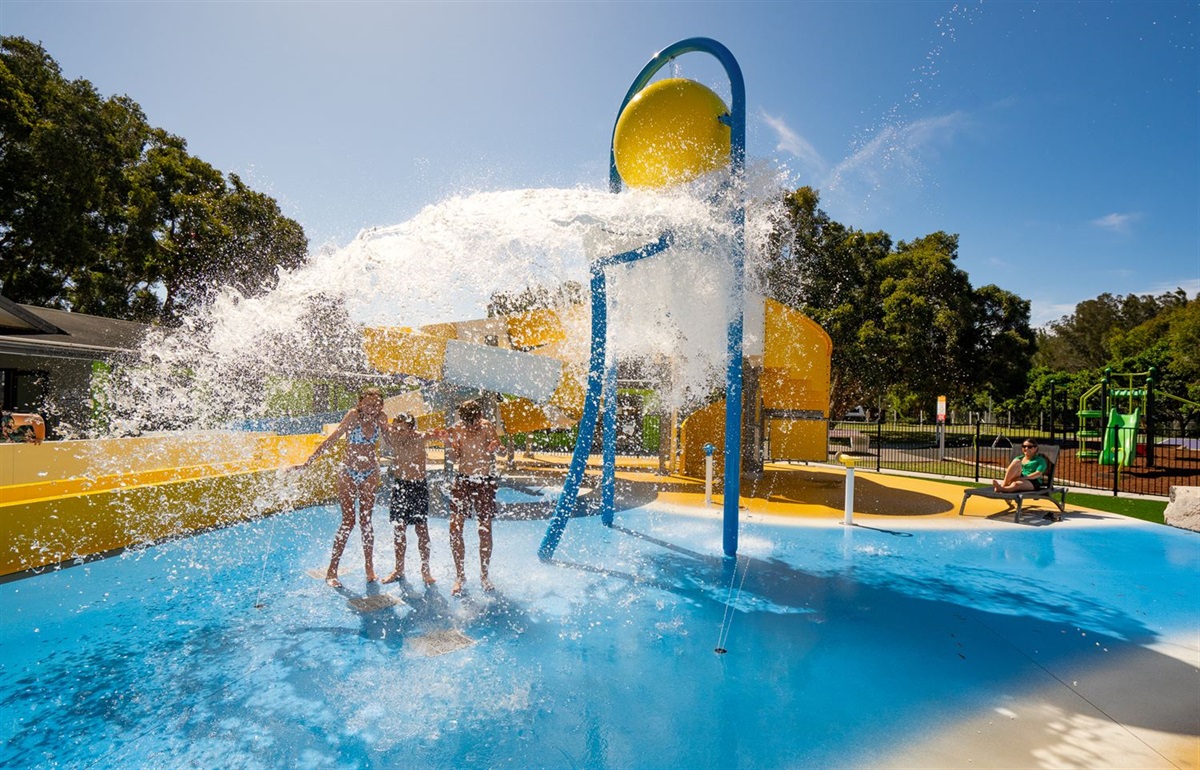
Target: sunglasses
[(1029, 446)]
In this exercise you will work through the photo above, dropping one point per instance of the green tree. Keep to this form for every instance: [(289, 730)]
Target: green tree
[(928, 314), (830, 272), (1003, 345), (905, 322), (1185, 344), (535, 298), (1084, 339), (104, 214), (53, 179)]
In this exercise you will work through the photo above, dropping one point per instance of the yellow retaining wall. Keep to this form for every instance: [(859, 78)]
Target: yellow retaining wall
[(535, 329), (798, 440), (25, 463), (400, 350), (54, 517)]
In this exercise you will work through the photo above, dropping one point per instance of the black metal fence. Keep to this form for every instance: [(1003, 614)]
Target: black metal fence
[(1113, 459)]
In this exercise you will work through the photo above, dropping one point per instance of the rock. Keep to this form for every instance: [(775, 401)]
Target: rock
[(1184, 509)]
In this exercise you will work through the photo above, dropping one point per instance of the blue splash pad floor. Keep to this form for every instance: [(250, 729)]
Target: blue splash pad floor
[(983, 644)]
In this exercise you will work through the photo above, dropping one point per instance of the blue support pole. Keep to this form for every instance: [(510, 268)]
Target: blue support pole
[(596, 362), (734, 332), (608, 467), (591, 404)]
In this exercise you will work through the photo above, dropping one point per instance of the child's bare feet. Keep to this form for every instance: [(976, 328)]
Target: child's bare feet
[(332, 579), (487, 584), (458, 588), (396, 575), (995, 485), (371, 577), (427, 577)]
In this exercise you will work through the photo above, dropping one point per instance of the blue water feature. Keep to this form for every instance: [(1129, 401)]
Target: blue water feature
[(218, 650)]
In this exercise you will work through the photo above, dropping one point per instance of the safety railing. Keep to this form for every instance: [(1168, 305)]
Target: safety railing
[(1119, 460)]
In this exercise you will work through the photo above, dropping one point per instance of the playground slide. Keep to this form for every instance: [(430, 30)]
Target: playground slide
[(522, 356), (1122, 432)]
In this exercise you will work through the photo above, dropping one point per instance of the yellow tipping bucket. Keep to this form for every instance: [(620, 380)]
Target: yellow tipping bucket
[(670, 133)]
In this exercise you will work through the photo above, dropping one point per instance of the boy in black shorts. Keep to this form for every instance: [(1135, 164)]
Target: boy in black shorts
[(410, 493)]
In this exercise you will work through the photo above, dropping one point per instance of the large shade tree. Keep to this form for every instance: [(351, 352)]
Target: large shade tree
[(906, 323), (102, 213)]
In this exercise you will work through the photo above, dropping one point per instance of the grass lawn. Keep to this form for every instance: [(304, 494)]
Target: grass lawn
[(1146, 510)]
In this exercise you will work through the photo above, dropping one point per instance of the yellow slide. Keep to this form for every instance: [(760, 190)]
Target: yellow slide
[(522, 356)]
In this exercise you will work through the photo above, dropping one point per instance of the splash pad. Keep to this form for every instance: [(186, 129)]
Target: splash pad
[(848, 647)]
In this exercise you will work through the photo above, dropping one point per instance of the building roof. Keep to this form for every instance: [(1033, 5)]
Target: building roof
[(38, 331)]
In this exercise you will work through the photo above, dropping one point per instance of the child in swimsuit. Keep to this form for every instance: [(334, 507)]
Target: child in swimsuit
[(362, 426), (410, 493)]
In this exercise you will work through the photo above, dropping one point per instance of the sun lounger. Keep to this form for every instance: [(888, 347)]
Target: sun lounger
[(1048, 492)]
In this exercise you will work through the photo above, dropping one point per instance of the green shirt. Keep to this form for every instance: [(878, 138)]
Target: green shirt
[(1033, 465)]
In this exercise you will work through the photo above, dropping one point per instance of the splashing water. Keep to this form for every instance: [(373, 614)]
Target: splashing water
[(445, 265)]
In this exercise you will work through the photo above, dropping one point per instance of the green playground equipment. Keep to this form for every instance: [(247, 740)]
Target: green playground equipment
[(1117, 435), (1120, 439)]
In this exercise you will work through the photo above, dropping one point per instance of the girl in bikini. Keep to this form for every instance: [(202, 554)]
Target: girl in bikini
[(358, 481)]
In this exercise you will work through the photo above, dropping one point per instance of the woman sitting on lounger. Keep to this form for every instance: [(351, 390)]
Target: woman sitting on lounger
[(1025, 473)]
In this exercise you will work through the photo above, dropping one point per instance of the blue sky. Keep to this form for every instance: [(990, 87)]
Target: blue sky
[(1060, 140)]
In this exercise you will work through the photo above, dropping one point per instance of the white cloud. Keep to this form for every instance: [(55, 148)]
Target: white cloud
[(795, 145), (889, 165), (1190, 285), (1116, 222), (1041, 312), (895, 148)]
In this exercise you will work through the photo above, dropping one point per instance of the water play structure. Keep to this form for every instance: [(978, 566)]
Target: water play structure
[(74, 499), (522, 356), (665, 134)]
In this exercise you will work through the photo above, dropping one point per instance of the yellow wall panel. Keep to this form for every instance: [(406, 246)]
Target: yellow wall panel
[(535, 329), (520, 415), (448, 331), (399, 352), (703, 426), (796, 360), (798, 440), (788, 389), (570, 393)]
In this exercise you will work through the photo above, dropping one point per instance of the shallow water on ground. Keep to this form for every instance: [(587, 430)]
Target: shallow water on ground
[(220, 651)]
